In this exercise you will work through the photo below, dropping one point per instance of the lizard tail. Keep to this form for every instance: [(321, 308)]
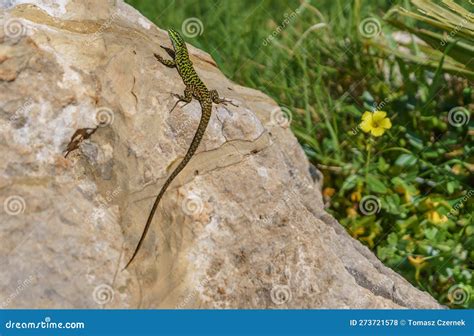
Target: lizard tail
[(191, 150)]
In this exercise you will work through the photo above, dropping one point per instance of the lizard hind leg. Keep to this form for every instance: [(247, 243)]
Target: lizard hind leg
[(188, 96), (217, 100)]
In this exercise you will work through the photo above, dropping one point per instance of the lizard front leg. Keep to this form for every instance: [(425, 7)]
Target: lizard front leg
[(215, 98), (169, 63)]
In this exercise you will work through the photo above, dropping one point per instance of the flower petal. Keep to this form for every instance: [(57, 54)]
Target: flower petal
[(367, 116), (377, 131), (379, 115), (385, 123), (366, 126)]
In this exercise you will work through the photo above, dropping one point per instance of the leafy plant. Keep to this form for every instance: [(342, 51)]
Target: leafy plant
[(447, 28)]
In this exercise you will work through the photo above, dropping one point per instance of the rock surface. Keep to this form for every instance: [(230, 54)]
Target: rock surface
[(243, 226)]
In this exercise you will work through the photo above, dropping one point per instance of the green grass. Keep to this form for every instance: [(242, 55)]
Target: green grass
[(327, 75)]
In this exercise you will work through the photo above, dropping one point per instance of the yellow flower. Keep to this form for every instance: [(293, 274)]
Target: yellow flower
[(376, 123), (329, 192), (408, 196), (370, 239), (457, 169), (356, 196), (358, 232), (436, 218), (351, 212), (418, 262)]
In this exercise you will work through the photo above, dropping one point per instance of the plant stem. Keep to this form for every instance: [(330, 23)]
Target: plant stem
[(368, 161)]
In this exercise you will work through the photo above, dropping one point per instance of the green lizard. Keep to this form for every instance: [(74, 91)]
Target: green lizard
[(194, 88)]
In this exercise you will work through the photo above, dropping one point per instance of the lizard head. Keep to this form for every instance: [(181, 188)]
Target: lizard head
[(176, 39)]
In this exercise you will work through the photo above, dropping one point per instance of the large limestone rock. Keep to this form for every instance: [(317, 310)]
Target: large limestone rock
[(243, 226)]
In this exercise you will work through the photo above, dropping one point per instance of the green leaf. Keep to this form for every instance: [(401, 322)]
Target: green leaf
[(375, 185), (406, 160), (415, 141), (392, 239), (431, 155), (391, 203), (444, 247), (349, 183), (431, 233), (382, 165), (450, 187), (470, 230)]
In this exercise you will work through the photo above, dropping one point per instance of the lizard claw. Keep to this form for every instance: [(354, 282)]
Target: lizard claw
[(225, 101)]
